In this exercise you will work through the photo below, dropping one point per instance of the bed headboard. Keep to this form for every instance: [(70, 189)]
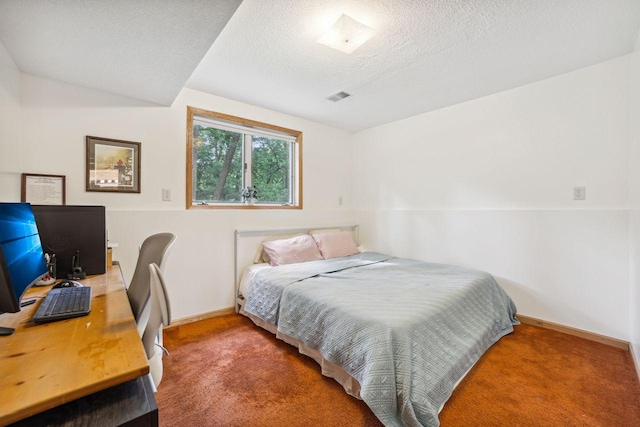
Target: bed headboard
[(247, 242)]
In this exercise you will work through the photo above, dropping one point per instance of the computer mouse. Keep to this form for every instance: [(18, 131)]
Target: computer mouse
[(67, 284)]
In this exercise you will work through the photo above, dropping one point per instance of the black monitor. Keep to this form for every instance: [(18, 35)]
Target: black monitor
[(22, 260), (68, 231)]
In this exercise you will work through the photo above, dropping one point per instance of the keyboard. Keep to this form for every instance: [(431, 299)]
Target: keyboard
[(64, 303)]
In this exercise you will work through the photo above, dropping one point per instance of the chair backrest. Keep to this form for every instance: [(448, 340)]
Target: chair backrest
[(160, 314), (154, 250)]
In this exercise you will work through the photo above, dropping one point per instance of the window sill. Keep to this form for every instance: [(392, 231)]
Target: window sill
[(241, 206)]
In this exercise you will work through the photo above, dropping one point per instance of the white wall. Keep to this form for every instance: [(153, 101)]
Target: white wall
[(10, 125), (634, 202), (489, 184), (486, 184), (57, 117)]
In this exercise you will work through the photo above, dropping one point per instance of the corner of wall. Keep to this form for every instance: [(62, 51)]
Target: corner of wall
[(635, 355), (10, 127), (634, 208)]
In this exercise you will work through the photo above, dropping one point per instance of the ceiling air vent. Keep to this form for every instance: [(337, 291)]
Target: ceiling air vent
[(338, 96)]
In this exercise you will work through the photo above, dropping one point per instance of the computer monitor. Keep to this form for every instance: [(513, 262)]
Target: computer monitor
[(22, 260), (67, 230)]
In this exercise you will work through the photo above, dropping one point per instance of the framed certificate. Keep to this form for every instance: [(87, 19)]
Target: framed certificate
[(41, 189)]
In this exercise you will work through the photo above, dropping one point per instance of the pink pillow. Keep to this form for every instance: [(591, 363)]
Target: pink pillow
[(335, 245), (294, 249)]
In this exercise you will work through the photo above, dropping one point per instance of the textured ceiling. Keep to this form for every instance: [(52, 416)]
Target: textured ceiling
[(425, 55), (144, 49)]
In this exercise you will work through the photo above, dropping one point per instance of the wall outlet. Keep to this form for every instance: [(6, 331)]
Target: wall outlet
[(579, 193), (166, 195)]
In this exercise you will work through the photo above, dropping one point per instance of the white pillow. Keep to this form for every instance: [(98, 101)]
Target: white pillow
[(260, 256)]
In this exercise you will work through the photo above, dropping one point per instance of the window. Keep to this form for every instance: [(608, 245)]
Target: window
[(229, 159)]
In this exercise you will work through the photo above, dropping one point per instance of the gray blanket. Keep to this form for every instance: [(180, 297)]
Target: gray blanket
[(407, 330)]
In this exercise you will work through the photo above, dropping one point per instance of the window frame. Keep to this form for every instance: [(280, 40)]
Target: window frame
[(193, 112)]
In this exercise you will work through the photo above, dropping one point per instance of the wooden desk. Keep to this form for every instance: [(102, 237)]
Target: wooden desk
[(44, 366)]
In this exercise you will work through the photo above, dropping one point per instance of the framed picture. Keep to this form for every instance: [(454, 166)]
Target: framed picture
[(113, 165), (39, 189)]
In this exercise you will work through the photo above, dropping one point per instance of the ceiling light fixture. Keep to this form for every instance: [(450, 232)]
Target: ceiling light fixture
[(346, 35)]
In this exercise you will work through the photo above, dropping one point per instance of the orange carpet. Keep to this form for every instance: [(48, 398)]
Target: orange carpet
[(226, 371)]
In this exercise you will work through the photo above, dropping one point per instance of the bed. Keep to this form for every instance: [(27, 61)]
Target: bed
[(397, 333)]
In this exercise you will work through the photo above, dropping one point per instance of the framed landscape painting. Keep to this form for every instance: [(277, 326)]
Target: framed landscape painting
[(112, 165)]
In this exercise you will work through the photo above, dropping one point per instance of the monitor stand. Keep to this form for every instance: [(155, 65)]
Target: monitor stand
[(6, 331)]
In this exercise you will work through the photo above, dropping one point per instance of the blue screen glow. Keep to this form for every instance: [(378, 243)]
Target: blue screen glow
[(20, 246)]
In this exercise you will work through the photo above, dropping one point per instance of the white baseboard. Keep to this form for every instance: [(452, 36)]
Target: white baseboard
[(574, 331), (203, 316)]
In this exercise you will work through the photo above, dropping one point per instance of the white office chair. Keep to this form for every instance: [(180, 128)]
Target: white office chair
[(154, 249), (159, 316)]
